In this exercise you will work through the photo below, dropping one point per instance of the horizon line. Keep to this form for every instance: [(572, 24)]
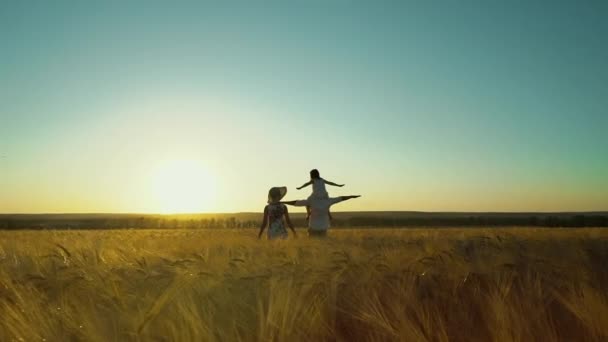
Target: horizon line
[(345, 211)]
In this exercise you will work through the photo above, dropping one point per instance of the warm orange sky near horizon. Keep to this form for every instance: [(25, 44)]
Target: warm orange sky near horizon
[(200, 107)]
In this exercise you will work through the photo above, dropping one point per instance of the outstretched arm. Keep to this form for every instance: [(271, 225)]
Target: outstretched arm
[(332, 183), (288, 202), (304, 185), (344, 198), (264, 222), (289, 222)]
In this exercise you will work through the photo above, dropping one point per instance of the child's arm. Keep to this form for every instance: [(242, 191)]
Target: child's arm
[(304, 185), (289, 222), (264, 222), (332, 183)]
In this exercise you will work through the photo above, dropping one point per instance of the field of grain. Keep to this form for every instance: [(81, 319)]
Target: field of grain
[(519, 284)]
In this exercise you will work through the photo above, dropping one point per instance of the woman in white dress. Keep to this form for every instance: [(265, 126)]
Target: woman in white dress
[(276, 215)]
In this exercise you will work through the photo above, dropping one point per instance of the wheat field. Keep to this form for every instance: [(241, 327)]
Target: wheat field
[(516, 284)]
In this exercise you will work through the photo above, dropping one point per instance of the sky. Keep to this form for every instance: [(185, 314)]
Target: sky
[(202, 106)]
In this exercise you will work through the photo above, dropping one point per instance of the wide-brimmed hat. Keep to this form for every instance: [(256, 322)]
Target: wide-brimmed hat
[(275, 194)]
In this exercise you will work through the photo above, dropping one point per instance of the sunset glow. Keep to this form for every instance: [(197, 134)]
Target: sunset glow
[(183, 186)]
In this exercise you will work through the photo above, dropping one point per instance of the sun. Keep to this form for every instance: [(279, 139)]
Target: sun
[(183, 186)]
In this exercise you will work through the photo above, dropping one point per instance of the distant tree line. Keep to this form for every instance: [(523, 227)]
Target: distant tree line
[(478, 221), (128, 223), (422, 220)]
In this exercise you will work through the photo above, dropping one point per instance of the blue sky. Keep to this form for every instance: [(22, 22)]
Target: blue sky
[(459, 106)]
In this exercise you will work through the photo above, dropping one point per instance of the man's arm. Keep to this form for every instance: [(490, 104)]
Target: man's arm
[(304, 185), (332, 183), (335, 200), (298, 203)]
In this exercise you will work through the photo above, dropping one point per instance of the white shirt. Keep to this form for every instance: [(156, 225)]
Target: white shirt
[(318, 188), (319, 211)]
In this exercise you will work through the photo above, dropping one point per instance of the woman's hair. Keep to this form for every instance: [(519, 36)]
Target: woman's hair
[(314, 174)]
